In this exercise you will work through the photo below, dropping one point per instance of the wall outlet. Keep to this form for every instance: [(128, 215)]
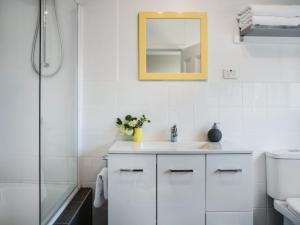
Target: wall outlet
[(230, 74)]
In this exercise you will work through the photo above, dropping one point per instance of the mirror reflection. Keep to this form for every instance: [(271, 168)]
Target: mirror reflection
[(173, 46)]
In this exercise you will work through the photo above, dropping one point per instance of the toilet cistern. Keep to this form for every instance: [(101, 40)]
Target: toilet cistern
[(283, 183)]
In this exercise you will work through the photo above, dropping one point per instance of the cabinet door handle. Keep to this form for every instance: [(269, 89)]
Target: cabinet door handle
[(132, 170), (181, 171), (228, 170)]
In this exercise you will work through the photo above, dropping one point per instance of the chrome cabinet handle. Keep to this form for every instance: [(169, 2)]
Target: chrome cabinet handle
[(228, 170), (181, 171), (132, 170)]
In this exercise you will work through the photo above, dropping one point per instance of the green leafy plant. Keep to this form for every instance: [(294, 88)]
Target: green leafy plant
[(129, 123)]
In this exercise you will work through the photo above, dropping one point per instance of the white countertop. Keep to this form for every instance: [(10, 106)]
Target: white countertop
[(153, 147)]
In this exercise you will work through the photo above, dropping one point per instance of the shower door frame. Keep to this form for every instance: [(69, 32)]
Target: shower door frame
[(70, 196)]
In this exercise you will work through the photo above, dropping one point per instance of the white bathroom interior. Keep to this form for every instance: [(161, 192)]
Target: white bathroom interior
[(174, 112)]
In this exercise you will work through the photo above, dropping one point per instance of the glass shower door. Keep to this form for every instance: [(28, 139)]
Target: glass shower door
[(58, 104), (38, 108), (19, 114)]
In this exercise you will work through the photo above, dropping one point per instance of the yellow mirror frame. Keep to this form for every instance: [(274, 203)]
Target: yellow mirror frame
[(143, 75)]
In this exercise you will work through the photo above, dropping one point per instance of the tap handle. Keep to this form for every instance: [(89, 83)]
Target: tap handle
[(174, 129)]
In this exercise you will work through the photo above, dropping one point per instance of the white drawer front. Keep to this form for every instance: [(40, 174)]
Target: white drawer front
[(132, 189), (229, 218), (180, 190), (229, 182)]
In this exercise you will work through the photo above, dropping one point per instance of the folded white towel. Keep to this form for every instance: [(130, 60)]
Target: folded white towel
[(269, 21), (101, 190), (272, 10), (244, 12), (245, 26), (246, 17), (275, 21), (276, 10)]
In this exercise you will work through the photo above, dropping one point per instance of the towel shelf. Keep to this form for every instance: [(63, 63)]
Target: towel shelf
[(270, 31)]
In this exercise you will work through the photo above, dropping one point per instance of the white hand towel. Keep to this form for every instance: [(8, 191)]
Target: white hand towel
[(101, 190)]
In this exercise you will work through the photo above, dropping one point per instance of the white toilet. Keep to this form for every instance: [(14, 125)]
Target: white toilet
[(283, 183)]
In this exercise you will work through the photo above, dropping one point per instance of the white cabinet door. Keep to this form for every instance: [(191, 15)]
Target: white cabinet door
[(229, 182), (229, 218), (180, 190), (132, 189)]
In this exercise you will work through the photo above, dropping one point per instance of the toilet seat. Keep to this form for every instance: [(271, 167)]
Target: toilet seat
[(287, 211), (293, 205)]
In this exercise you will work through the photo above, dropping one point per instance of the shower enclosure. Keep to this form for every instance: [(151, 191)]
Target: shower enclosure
[(38, 109)]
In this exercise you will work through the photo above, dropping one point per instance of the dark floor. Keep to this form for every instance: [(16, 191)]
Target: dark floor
[(100, 215)]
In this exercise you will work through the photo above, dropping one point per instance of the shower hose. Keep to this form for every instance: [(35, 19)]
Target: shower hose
[(44, 62)]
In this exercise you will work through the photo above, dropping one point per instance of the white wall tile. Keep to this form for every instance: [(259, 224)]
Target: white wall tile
[(90, 167), (24, 169), (99, 122), (100, 38), (294, 95), (207, 94), (278, 95), (231, 94), (182, 94), (98, 94), (94, 145), (283, 120), (254, 95), (255, 119), (59, 169), (151, 94), (231, 119)]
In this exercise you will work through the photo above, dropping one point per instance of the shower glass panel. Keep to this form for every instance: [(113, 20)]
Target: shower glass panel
[(38, 108), (58, 104), (19, 114)]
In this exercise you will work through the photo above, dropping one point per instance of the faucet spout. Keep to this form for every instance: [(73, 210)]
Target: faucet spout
[(174, 133)]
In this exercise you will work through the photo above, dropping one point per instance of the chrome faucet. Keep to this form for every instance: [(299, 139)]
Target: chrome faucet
[(174, 133)]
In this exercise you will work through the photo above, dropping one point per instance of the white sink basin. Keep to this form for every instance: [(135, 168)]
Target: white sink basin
[(164, 147), (171, 145)]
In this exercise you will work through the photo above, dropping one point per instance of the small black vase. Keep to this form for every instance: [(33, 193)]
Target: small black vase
[(214, 134)]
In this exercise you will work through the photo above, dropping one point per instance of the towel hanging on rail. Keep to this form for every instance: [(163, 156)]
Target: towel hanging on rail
[(101, 190), (269, 15), (270, 21)]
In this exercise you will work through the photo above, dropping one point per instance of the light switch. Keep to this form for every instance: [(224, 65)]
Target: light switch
[(230, 74)]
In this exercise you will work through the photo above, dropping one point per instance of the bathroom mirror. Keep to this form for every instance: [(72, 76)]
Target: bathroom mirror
[(172, 46)]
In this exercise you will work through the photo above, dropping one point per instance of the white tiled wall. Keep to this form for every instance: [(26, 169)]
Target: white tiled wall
[(260, 110), (19, 94)]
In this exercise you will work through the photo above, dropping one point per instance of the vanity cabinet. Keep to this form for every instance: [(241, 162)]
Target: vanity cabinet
[(132, 189), (229, 218), (180, 189), (229, 189), (228, 182)]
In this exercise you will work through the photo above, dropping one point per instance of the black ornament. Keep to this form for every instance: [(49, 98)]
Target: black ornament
[(214, 134)]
